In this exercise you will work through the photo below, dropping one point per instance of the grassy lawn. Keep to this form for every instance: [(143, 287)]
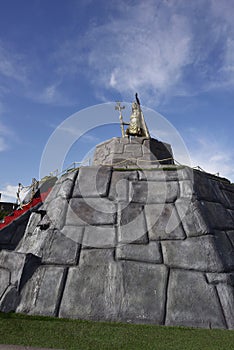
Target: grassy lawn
[(74, 334)]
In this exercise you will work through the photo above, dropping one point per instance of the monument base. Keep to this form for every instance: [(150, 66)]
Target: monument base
[(139, 151)]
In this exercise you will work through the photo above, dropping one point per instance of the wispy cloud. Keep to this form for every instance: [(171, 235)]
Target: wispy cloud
[(211, 155), (5, 133), (169, 47), (12, 64), (8, 193)]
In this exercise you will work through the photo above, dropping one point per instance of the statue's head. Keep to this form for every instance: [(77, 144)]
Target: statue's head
[(134, 106)]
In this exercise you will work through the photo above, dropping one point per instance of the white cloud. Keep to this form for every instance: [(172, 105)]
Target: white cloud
[(9, 193), (169, 47), (12, 64), (5, 135), (212, 156)]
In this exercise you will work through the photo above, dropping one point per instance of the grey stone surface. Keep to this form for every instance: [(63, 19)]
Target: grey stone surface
[(140, 304), (99, 237), (225, 250), (231, 236), (69, 175), (92, 182), (91, 290), (18, 234), (226, 295), (91, 211), (192, 302), (192, 216), (197, 253), (171, 173), (135, 149), (33, 222), (5, 280), (56, 211), (231, 212), (118, 151), (34, 243), (10, 299), (151, 244), (153, 192), (65, 189), (147, 253), (41, 294), (205, 188), (14, 263), (63, 186), (6, 235), (60, 250), (75, 233), (52, 246), (131, 224), (163, 222), (217, 216), (119, 187), (216, 278), (229, 196), (186, 189)]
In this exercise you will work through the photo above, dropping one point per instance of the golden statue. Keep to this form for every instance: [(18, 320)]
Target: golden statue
[(137, 126)]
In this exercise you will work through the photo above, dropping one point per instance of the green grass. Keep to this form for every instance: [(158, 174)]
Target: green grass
[(74, 334)]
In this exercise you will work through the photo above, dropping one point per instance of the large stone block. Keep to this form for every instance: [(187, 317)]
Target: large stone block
[(69, 175), (92, 290), (216, 278), (140, 252), (99, 237), (56, 211), (91, 211), (153, 192), (176, 173), (41, 294), (163, 222), (226, 295), (74, 233), (144, 292), (205, 188), (92, 182), (14, 263), (60, 250), (34, 243), (5, 280), (197, 253), (192, 302), (33, 222), (161, 151), (218, 217), (228, 193), (65, 189), (9, 300), (134, 149), (192, 216), (225, 249), (119, 187), (131, 224)]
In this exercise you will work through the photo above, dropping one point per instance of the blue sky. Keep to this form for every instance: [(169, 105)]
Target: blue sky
[(59, 57)]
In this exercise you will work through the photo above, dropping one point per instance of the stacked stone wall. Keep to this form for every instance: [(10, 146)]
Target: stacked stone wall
[(143, 246), (139, 151)]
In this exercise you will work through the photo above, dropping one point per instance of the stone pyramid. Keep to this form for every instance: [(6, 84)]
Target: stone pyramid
[(132, 238)]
